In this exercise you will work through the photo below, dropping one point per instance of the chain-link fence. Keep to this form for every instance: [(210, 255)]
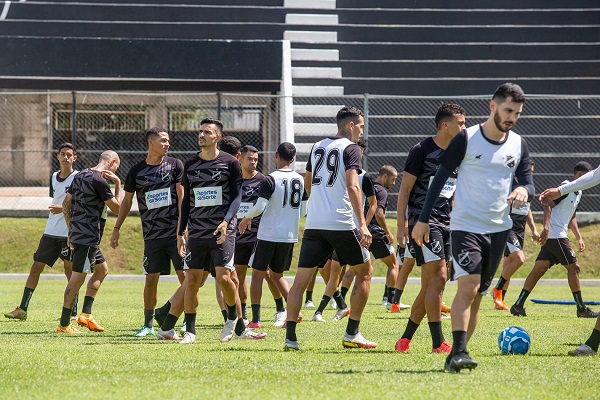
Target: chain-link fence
[(560, 130)]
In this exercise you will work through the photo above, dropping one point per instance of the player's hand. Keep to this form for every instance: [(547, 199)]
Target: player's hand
[(420, 233), (221, 231), (390, 237), (581, 245), (518, 197), (244, 224), (535, 236), (543, 237), (548, 195), (114, 239), (110, 176), (69, 244), (402, 236), (181, 245), (55, 208), (365, 237)]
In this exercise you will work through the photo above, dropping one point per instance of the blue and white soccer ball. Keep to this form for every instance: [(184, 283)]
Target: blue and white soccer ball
[(514, 340)]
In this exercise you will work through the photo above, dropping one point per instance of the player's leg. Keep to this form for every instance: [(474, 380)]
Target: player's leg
[(417, 313), (539, 269), (358, 300), (260, 258), (408, 263), (308, 303), (474, 315), (241, 270), (436, 282), (273, 288), (347, 280), (574, 284), (100, 272), (590, 347), (514, 258), (68, 270), (83, 258), (150, 300)]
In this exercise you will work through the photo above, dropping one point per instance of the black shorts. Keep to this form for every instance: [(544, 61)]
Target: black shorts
[(317, 245), (276, 256), (557, 251), (206, 253), (438, 247), (406, 252), (477, 254), (243, 251), (85, 257), (516, 238), (381, 249), (50, 249), (158, 255)]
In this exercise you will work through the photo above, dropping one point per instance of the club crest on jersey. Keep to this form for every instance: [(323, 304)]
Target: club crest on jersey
[(64, 251), (510, 161), (249, 190), (411, 249), (145, 262), (464, 259), (573, 253), (166, 176), (436, 246), (188, 257), (516, 242), (216, 175)]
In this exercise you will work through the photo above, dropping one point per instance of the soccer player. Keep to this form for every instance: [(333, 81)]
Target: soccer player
[(488, 157), (421, 165), (53, 244), (513, 253), (212, 183), (332, 179), (559, 215), (281, 201), (84, 209), (591, 179), (156, 182)]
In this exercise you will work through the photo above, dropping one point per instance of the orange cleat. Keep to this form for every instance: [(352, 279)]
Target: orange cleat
[(445, 347), (67, 329), (445, 308), (89, 322), (402, 345), (499, 303)]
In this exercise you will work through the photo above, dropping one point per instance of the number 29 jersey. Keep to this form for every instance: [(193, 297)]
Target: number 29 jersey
[(329, 207)]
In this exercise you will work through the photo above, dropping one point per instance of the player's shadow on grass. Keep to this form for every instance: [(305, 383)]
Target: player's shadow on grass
[(385, 371), (41, 333)]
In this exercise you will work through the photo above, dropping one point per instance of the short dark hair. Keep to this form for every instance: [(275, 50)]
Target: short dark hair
[(347, 114), (230, 144), (362, 143), (66, 145), (446, 112), (507, 90), (286, 151), (213, 121), (248, 148), (387, 170), (582, 166), (154, 131)]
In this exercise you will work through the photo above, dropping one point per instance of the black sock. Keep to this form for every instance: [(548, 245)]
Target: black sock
[(459, 342), (74, 308), (164, 310), (244, 312), (170, 321), (280, 307), (578, 300), (190, 322), (437, 336), (397, 296), (240, 327), (344, 291), (27, 293), (290, 331), (500, 283), (385, 288), (65, 317), (522, 298), (231, 312), (503, 294), (88, 302), (352, 328), (339, 300), (149, 318), (255, 312), (594, 340), (308, 295), (324, 301), (224, 312), (391, 292), (411, 328)]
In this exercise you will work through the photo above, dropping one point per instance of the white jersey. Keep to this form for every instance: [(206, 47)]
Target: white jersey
[(284, 190), (330, 207), (562, 213), (56, 225)]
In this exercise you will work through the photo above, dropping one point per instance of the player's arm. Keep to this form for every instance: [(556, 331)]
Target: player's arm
[(531, 223), (304, 204), (521, 194), (123, 212), (546, 224), (355, 195), (586, 181), (372, 201), (308, 182), (184, 215), (255, 211), (66, 207), (575, 229), (235, 182), (406, 186)]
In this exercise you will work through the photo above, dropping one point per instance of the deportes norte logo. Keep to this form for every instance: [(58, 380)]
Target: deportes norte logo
[(159, 196)]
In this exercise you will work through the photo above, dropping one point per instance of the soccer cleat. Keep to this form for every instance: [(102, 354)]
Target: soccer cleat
[(168, 335), (357, 342), (67, 329), (309, 304), (318, 317), (251, 335), (454, 364), (397, 307), (332, 304), (402, 345), (582, 351), (388, 306), (145, 331), (587, 313), (17, 313), (384, 301), (290, 345), (227, 332), (183, 329), (280, 317), (445, 316), (404, 306), (341, 313), (158, 317), (188, 338), (517, 311), (499, 303), (445, 308), (445, 347), (502, 306), (89, 322), (254, 325), (300, 316)]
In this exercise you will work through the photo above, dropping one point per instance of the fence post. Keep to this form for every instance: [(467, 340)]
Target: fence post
[(219, 106), (74, 120), (365, 160)]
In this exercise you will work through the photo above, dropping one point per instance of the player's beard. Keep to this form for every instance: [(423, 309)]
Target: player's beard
[(500, 125)]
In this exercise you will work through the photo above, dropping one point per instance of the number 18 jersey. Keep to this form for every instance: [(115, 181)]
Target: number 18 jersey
[(329, 207)]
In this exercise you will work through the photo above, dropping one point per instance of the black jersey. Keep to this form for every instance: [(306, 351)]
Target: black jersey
[(155, 189), (381, 195), (89, 190), (250, 194), (423, 162), (210, 188)]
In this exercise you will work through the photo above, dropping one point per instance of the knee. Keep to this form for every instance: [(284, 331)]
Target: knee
[(101, 269), (37, 268), (574, 269), (223, 279)]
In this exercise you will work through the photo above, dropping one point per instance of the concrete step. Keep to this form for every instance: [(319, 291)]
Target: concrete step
[(317, 72), (316, 110), (315, 55), (315, 4), (310, 36), (315, 129), (318, 91), (311, 19)]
